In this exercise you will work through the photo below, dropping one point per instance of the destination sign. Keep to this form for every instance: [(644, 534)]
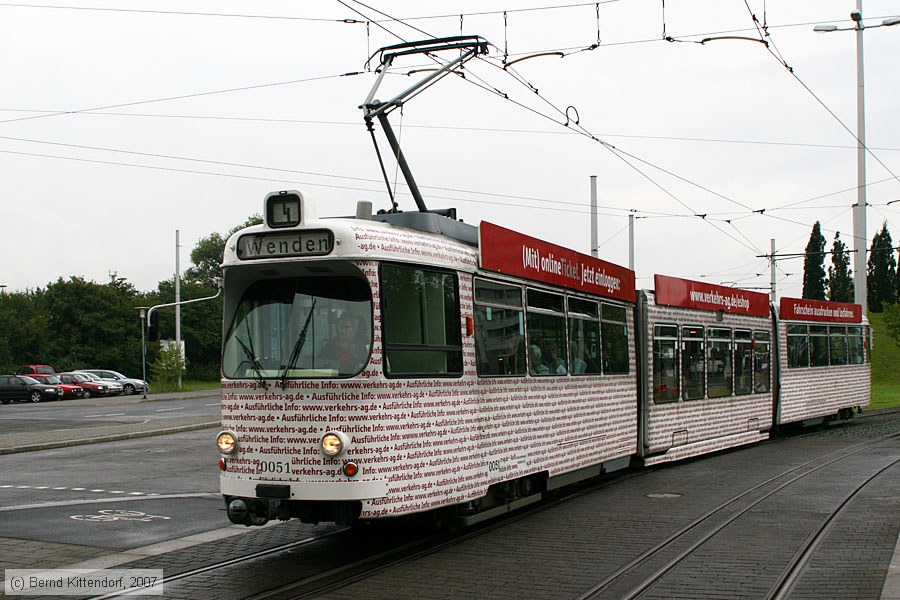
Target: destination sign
[(282, 244)]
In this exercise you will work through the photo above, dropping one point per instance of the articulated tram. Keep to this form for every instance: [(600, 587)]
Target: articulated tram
[(399, 363)]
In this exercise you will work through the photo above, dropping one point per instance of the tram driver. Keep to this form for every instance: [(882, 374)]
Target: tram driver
[(345, 348)]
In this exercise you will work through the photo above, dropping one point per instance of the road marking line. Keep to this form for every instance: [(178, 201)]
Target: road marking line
[(96, 490), (168, 409), (210, 495)]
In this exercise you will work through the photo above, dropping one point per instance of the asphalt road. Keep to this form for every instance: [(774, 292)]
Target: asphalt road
[(18, 417), (115, 495)]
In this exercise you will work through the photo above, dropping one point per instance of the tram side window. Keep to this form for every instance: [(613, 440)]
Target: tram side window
[(546, 323), (818, 345), (499, 329), (855, 345), (762, 362), (421, 327), (718, 363), (743, 362), (837, 341), (693, 369), (798, 346), (665, 363), (614, 339), (584, 337)]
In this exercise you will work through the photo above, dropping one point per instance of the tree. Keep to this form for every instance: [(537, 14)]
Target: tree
[(814, 265), (207, 254), (882, 271), (201, 323), (840, 282), (892, 322), (90, 325), (23, 331)]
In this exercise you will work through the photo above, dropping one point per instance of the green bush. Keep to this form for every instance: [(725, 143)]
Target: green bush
[(166, 370)]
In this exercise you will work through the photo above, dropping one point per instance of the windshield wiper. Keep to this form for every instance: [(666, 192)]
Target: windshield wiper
[(251, 356), (298, 345)]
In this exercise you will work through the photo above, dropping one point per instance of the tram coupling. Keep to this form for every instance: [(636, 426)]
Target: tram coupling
[(256, 511)]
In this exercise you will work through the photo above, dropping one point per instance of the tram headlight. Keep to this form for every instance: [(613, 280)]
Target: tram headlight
[(333, 443), (227, 442)]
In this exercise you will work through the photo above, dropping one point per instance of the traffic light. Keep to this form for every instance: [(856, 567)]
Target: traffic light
[(153, 330)]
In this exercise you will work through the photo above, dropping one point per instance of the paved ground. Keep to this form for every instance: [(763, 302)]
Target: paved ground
[(27, 554)]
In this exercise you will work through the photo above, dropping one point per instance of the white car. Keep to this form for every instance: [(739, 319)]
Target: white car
[(129, 386), (115, 388)]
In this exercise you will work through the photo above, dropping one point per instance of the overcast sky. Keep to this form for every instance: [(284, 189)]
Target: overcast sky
[(124, 121)]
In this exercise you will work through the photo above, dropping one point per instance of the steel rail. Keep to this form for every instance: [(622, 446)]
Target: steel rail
[(643, 558)]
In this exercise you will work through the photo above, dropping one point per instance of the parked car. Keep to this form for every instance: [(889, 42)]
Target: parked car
[(115, 388), (32, 369), (24, 388), (70, 390), (91, 387), (129, 384)]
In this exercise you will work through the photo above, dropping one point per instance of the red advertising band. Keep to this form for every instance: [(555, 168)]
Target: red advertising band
[(802, 309), (672, 291), (507, 251)]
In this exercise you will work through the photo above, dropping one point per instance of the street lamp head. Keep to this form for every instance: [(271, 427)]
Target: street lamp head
[(891, 21), (825, 28)]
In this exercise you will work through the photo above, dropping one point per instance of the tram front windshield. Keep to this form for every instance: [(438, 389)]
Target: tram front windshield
[(300, 327)]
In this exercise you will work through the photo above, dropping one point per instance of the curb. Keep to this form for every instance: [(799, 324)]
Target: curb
[(108, 438)]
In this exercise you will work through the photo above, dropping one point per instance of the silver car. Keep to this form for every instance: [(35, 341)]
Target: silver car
[(129, 386)]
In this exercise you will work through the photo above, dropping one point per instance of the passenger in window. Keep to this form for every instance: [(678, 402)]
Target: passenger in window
[(579, 366), (554, 363), (534, 356), (507, 362), (345, 349)]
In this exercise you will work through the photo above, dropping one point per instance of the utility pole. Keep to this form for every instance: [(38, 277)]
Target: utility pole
[(594, 234), (772, 268), (631, 242)]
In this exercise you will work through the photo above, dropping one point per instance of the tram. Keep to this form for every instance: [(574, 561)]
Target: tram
[(399, 363), (408, 362)]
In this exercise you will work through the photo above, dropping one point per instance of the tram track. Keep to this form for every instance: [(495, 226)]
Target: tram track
[(611, 585), (340, 574), (324, 583)]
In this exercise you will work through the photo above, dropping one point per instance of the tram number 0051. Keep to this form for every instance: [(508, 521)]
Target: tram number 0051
[(273, 466)]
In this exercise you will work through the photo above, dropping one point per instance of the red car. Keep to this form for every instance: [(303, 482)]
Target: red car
[(90, 388), (33, 369), (70, 390)]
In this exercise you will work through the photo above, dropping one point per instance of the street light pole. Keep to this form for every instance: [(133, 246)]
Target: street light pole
[(860, 233), (143, 310), (860, 229)]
